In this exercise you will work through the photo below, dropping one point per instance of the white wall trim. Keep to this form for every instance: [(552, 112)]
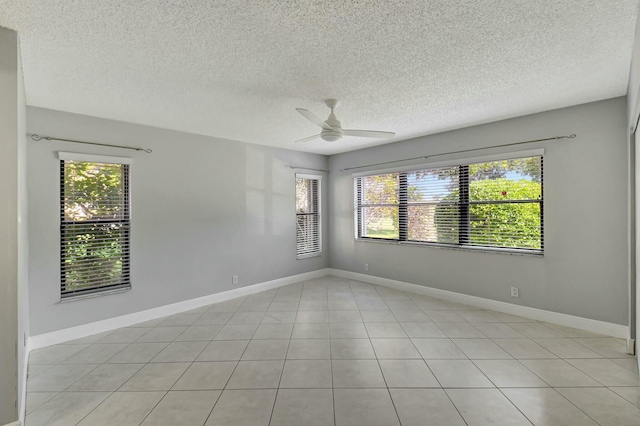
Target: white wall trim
[(72, 333), (24, 374), (16, 423), (594, 326)]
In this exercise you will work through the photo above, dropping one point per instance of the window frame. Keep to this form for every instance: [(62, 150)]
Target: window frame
[(97, 290), (318, 203), (464, 203)]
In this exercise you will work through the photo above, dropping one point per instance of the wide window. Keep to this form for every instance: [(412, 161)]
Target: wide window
[(494, 204), (94, 224), (308, 235)]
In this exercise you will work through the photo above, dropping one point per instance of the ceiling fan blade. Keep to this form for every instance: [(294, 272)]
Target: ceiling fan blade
[(367, 133), (310, 138), (313, 118)]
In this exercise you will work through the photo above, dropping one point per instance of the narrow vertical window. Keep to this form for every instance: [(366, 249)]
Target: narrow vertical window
[(94, 225), (308, 229)]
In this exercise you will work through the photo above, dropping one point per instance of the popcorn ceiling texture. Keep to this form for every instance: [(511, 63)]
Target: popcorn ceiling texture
[(236, 69)]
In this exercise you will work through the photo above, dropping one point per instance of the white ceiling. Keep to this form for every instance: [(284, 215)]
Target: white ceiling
[(236, 69)]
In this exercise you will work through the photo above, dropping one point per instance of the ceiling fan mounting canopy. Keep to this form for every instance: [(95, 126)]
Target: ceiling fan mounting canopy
[(332, 128)]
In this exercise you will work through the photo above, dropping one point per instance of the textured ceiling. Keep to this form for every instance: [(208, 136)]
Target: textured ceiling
[(236, 69)]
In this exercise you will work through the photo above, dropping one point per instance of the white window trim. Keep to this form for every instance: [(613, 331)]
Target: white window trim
[(319, 179), (76, 156)]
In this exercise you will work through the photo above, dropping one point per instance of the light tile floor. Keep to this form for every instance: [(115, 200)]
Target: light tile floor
[(335, 352)]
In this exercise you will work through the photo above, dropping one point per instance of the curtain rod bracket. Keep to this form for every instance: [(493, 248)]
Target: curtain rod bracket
[(307, 168), (50, 138)]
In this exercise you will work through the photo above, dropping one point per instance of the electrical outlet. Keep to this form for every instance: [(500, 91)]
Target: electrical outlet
[(366, 266), (514, 291), (234, 280)]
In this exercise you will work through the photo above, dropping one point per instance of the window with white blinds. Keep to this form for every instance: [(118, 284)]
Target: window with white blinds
[(308, 232), (94, 226), (496, 204)]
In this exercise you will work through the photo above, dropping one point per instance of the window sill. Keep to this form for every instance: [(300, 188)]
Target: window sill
[(307, 256), (528, 253), (92, 295)]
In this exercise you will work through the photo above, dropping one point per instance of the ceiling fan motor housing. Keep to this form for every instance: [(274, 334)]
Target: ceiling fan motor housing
[(331, 135)]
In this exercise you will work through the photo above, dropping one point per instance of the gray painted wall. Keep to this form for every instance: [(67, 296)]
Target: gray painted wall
[(203, 210), (9, 144), (584, 268)]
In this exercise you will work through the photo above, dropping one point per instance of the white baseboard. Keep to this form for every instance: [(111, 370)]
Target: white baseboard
[(67, 334), (16, 423), (594, 326)]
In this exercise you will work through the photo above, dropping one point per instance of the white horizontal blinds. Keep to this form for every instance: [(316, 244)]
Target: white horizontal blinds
[(308, 239), (433, 212), (490, 204), (377, 206), (505, 203), (94, 227)]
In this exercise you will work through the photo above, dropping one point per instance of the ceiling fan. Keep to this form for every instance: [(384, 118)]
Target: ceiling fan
[(332, 129)]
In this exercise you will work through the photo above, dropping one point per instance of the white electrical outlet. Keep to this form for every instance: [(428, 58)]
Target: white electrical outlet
[(234, 280), (514, 291), (366, 266)]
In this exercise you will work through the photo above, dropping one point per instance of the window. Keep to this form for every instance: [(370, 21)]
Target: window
[(495, 204), (94, 224), (308, 235)]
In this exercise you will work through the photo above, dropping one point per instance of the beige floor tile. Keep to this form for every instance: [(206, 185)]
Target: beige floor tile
[(460, 330), (137, 353), (223, 350), (308, 407), (607, 346), (439, 316), (184, 408), (348, 331), (309, 349), (273, 331), (534, 330), (106, 377), (381, 330), (352, 349), (606, 372), (256, 375), (631, 394), (312, 317), (395, 349), (36, 399), (123, 409), (180, 352), (603, 405), (95, 354), (196, 333), (364, 407), (407, 373), (236, 332), (279, 317), (306, 374), (66, 408), (416, 407), (59, 377), (458, 374), (243, 408), (359, 373), (480, 407), (155, 377), (498, 330), (524, 349), (213, 318), (558, 373), (162, 334), (481, 349), (567, 348), (509, 373), (205, 376), (546, 407), (438, 349), (124, 335), (310, 331), (246, 318), (266, 350), (422, 330), (54, 354)]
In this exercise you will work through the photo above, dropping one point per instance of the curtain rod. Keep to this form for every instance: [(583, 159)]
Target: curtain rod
[(461, 151), (307, 168), (50, 138)]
